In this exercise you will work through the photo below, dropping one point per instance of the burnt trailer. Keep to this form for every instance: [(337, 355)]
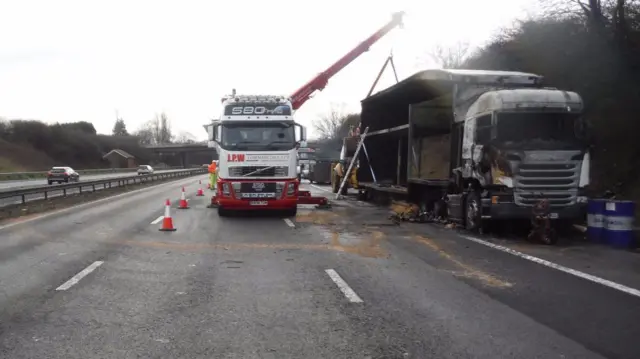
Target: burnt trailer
[(489, 144)]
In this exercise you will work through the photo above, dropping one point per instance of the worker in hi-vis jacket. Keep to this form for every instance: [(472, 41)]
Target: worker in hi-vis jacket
[(213, 175)]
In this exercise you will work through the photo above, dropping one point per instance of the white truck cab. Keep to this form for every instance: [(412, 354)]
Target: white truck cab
[(256, 141)]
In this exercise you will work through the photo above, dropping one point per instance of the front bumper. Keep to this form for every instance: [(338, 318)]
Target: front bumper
[(509, 210), (58, 178), (243, 204)]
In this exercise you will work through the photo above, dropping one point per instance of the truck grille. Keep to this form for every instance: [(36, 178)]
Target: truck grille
[(264, 171), (557, 182)]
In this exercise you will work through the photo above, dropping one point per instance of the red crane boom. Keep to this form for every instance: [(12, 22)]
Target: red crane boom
[(319, 82)]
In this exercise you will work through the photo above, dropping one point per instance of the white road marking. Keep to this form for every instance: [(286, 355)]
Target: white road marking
[(546, 263), (157, 220), (76, 278), (289, 223), (344, 287)]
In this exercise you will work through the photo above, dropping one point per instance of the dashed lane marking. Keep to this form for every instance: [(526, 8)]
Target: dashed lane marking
[(546, 263), (76, 278), (344, 287), (289, 223), (157, 220)]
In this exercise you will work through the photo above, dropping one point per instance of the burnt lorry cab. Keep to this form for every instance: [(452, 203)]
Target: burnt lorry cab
[(490, 144)]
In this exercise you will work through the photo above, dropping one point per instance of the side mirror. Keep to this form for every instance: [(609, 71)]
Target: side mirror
[(215, 133), (303, 133)]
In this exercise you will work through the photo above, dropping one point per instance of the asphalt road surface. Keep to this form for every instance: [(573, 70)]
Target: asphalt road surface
[(6, 185), (100, 281)]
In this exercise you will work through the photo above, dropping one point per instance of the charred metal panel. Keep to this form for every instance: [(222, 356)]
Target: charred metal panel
[(553, 175)]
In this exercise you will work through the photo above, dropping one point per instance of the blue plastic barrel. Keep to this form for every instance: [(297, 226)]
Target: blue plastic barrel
[(595, 219), (618, 228)]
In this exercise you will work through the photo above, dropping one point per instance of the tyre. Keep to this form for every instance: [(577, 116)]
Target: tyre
[(223, 212), (550, 237), (50, 183), (473, 212), (291, 212)]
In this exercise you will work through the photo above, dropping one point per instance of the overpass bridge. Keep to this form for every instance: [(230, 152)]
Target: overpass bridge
[(197, 152)]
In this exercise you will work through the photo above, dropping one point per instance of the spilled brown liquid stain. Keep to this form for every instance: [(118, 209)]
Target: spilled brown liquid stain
[(204, 246), (317, 217), (367, 247)]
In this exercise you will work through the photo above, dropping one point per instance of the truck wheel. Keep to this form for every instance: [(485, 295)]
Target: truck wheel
[(473, 212), (291, 212), (223, 212)]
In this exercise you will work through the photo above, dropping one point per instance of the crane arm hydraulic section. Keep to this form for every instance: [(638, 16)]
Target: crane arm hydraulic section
[(318, 83)]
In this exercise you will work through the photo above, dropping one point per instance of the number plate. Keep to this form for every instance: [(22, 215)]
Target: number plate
[(553, 215), (258, 203)]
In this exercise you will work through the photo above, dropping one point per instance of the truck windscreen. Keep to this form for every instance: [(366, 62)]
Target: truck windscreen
[(525, 126), (258, 136), (257, 109)]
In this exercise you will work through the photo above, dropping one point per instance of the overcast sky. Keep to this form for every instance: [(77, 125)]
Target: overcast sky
[(80, 60)]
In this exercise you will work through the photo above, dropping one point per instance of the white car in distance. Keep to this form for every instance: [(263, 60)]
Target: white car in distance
[(145, 170)]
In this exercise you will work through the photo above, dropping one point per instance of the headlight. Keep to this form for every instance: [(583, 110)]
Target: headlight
[(236, 187), (291, 188), (226, 189)]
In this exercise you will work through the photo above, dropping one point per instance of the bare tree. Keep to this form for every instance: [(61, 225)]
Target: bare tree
[(165, 132), (451, 57), (156, 131), (185, 137), (145, 134), (329, 124)]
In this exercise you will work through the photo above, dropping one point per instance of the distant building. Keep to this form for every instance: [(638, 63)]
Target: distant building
[(120, 159)]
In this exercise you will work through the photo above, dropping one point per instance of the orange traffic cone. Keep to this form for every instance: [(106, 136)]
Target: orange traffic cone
[(200, 192), (167, 222), (183, 201)]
